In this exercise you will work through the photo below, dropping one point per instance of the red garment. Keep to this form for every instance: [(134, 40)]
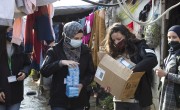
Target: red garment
[(32, 41), (131, 26)]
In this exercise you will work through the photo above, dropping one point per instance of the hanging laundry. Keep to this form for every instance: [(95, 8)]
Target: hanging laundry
[(97, 34), (26, 6), (143, 15), (18, 31), (51, 14), (37, 29), (7, 12), (131, 26), (82, 21), (87, 28), (43, 25)]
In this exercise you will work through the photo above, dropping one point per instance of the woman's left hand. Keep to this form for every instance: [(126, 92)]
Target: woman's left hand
[(21, 76), (160, 73)]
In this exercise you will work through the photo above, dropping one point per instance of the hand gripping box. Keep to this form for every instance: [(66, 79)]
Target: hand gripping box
[(117, 75)]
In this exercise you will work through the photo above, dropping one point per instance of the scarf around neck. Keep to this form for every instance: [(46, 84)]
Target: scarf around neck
[(72, 53), (173, 49)]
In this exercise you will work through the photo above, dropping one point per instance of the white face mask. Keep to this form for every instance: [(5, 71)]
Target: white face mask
[(75, 43)]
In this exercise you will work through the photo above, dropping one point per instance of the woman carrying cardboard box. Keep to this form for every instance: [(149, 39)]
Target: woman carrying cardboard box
[(121, 42)]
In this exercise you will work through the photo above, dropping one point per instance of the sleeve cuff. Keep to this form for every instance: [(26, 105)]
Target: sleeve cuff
[(60, 63)]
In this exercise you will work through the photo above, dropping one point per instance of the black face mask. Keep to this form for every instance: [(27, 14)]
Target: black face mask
[(173, 43), (121, 45)]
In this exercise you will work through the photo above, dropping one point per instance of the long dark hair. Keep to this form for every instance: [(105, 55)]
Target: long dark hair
[(3, 30), (130, 41)]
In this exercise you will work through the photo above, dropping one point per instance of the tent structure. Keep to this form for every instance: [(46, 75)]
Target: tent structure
[(66, 7), (67, 10)]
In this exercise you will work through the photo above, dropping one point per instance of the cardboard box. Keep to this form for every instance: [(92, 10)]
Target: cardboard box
[(101, 54), (121, 80)]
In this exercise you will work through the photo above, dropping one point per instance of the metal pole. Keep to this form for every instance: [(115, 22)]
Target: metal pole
[(163, 35)]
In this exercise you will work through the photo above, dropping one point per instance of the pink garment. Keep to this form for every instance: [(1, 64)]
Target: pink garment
[(89, 23), (18, 32)]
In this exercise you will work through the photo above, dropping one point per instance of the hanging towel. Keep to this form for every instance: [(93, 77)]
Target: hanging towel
[(43, 25), (7, 12), (26, 6), (17, 36)]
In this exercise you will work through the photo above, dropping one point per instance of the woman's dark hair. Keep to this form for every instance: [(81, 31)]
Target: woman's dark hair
[(130, 40), (3, 30)]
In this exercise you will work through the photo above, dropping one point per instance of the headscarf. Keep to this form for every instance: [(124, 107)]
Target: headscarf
[(70, 30), (176, 29)]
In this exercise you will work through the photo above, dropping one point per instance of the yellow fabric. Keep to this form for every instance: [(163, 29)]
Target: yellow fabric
[(97, 34), (131, 8)]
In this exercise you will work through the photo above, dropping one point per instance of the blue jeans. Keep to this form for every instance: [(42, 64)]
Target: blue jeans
[(10, 107), (129, 106), (60, 108)]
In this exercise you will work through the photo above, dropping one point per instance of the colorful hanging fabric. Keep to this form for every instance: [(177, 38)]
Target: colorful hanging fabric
[(87, 28), (37, 29), (97, 34)]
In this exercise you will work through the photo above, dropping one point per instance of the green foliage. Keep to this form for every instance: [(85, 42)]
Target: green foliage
[(107, 103), (152, 35)]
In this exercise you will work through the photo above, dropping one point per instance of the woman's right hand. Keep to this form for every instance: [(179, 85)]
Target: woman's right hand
[(2, 97), (69, 63), (160, 73)]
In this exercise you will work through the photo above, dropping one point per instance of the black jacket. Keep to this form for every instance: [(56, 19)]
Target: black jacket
[(50, 67), (145, 60), (20, 62)]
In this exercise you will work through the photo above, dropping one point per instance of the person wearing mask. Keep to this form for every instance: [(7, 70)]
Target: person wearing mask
[(14, 68), (69, 52), (170, 75), (121, 42)]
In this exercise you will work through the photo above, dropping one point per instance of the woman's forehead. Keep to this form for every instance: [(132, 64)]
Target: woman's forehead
[(172, 33), (117, 35)]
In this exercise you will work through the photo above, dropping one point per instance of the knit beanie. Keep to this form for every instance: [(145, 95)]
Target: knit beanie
[(176, 29), (72, 28)]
